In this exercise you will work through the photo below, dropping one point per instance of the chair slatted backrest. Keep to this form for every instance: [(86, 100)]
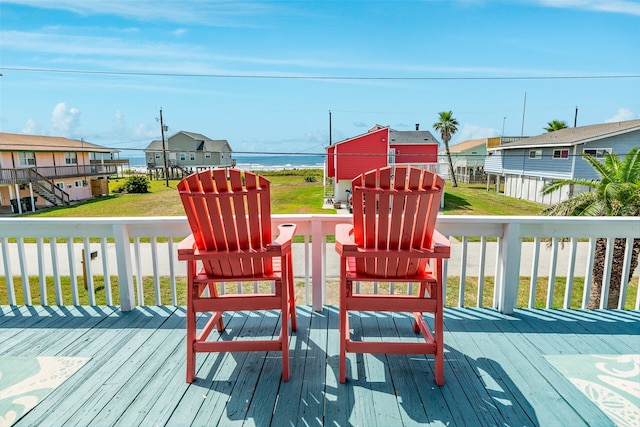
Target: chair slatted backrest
[(395, 211), (229, 215)]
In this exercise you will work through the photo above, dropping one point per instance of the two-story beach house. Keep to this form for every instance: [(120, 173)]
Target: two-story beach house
[(380, 146), (188, 152), (468, 161), (525, 166), (43, 171)]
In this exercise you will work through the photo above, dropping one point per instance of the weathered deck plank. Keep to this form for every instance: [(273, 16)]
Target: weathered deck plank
[(496, 370)]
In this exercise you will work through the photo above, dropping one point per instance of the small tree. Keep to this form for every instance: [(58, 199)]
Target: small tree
[(447, 126), (555, 125), (616, 193)]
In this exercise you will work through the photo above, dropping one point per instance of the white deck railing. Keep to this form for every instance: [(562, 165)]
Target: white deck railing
[(502, 248)]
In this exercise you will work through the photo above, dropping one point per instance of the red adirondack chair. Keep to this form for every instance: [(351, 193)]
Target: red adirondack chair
[(231, 241), (393, 239)]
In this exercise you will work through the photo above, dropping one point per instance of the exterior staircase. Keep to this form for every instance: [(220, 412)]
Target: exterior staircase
[(46, 189)]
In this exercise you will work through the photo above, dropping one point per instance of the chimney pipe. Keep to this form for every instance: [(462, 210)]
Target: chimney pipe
[(417, 126)]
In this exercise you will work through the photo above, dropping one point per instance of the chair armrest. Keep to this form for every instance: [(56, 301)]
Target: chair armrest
[(344, 242), (440, 242), (283, 241), (187, 246)]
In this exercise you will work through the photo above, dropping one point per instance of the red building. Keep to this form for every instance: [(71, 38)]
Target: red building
[(381, 146)]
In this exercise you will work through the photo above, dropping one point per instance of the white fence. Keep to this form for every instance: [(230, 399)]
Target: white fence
[(501, 248)]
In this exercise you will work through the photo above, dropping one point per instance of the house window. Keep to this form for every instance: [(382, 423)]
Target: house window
[(598, 153), (77, 183), (535, 154), (27, 159), (560, 154), (183, 156), (60, 185), (192, 157), (158, 156), (70, 158), (207, 155)]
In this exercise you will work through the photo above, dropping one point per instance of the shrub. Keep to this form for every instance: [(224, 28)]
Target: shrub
[(136, 184)]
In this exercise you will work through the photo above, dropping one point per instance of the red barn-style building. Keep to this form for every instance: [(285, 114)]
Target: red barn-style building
[(381, 146)]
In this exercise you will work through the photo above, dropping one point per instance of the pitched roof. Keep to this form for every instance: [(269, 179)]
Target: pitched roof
[(574, 136), (467, 145), (20, 142), (411, 137), (201, 143)]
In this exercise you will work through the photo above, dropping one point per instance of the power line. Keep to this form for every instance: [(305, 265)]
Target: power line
[(304, 77)]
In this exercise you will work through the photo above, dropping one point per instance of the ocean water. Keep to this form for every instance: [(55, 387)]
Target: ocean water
[(258, 162)]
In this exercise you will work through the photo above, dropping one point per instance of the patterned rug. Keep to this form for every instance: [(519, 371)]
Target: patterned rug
[(612, 382), (26, 381)]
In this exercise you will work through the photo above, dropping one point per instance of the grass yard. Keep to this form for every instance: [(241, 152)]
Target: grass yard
[(295, 191)]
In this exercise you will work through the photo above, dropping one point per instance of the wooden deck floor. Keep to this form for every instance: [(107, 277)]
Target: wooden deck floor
[(497, 369)]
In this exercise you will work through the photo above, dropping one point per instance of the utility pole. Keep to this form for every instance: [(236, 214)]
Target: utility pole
[(575, 118), (524, 108), (164, 150)]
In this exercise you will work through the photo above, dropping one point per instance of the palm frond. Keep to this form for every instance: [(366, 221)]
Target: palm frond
[(552, 186)]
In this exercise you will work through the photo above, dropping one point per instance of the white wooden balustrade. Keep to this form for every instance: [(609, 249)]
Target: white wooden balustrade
[(504, 248)]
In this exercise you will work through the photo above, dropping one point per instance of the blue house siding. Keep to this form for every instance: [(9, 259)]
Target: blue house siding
[(525, 166), (620, 145)]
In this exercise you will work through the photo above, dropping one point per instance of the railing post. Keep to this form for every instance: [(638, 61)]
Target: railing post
[(509, 265), (123, 260), (317, 268)]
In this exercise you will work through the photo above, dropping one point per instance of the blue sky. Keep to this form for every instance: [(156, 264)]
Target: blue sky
[(265, 74)]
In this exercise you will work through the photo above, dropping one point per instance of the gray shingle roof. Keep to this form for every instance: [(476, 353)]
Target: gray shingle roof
[(411, 137), (574, 136)]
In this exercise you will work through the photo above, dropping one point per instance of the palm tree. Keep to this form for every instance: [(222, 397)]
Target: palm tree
[(616, 193), (555, 125), (447, 126)]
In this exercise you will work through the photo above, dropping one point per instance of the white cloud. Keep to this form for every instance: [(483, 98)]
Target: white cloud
[(469, 131), (628, 7), (64, 121), (622, 115), (32, 128)]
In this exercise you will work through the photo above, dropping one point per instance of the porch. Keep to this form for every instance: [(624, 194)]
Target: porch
[(504, 365), (500, 369)]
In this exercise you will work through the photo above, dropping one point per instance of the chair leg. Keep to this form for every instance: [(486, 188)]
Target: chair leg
[(213, 291), (292, 294), (284, 332), (191, 330)]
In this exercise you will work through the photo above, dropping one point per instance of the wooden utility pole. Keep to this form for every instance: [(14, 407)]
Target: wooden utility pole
[(164, 150)]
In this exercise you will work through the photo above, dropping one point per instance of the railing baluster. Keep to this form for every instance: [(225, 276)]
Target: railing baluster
[(57, 284), (139, 287), (463, 271), (481, 267), (88, 272), (41, 272), (172, 272), (156, 274), (606, 276), (626, 266), (588, 274), (73, 278), (8, 275), (26, 286), (533, 285), (553, 264), (106, 274), (568, 290)]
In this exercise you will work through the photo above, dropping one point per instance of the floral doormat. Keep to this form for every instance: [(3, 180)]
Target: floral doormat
[(26, 381), (612, 382)]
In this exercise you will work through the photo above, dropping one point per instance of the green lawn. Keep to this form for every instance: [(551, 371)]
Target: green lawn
[(299, 192)]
